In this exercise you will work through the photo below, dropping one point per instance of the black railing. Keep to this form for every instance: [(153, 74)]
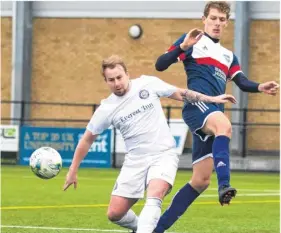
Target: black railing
[(169, 110)]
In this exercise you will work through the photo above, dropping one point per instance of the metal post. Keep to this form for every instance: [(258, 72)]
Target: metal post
[(21, 58), (244, 135), (22, 113), (241, 50), (94, 108), (114, 148), (168, 114)]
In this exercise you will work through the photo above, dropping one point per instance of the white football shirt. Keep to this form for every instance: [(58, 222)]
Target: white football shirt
[(138, 115)]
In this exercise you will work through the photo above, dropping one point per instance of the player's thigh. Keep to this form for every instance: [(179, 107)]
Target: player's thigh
[(217, 123), (203, 164), (131, 182), (119, 206), (201, 149), (196, 114), (162, 173)]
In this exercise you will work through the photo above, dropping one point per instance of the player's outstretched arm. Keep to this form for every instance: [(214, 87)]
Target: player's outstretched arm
[(167, 59), (246, 85), (190, 96), (79, 154)]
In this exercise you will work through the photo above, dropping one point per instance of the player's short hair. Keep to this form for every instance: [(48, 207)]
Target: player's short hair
[(222, 6), (111, 62)]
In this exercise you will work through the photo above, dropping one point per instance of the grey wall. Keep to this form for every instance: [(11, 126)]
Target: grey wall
[(138, 9)]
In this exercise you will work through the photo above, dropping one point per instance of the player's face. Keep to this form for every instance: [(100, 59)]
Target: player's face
[(215, 23), (117, 80)]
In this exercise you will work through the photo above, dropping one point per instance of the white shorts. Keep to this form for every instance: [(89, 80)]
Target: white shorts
[(137, 171)]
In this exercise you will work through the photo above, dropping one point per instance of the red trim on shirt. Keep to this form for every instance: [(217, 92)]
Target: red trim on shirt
[(172, 48), (213, 62), (182, 56), (234, 69)]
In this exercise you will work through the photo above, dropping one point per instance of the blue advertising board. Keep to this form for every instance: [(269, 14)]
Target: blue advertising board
[(65, 140)]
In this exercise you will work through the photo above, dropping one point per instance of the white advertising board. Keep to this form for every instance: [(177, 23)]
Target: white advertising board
[(9, 139)]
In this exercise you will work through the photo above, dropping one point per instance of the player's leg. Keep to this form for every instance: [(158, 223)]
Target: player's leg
[(120, 213), (205, 120), (129, 187), (219, 125), (160, 178), (202, 171), (151, 211)]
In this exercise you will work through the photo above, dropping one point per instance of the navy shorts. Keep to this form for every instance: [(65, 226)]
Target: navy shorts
[(195, 116)]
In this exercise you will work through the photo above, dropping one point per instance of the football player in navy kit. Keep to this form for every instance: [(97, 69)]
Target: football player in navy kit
[(208, 66)]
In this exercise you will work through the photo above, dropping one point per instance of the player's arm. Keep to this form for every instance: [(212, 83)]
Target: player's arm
[(190, 96), (98, 123), (172, 56), (177, 51), (82, 149), (80, 153), (164, 89), (247, 85)]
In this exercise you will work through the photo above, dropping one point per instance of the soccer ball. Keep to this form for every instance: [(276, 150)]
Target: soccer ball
[(45, 162)]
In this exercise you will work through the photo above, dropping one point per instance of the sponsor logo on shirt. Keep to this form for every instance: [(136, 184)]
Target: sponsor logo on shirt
[(220, 74), (143, 94), (136, 112)]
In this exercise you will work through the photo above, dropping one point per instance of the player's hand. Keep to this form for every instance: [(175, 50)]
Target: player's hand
[(270, 88), (191, 38), (222, 99), (71, 178)]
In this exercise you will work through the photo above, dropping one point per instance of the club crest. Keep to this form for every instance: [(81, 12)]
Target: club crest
[(143, 94)]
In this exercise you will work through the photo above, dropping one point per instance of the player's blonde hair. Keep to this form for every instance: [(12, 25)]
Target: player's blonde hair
[(222, 6), (111, 62)]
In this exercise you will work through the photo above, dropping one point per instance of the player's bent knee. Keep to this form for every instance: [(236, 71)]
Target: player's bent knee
[(225, 129), (200, 183), (158, 189), (218, 124), (158, 193), (114, 216)]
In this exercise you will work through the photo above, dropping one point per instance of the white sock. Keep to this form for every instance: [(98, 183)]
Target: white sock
[(130, 220), (149, 215)]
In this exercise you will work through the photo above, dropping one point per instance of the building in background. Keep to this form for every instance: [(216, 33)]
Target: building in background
[(57, 47)]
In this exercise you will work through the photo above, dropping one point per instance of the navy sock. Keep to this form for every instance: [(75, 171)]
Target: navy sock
[(181, 201), (221, 159)]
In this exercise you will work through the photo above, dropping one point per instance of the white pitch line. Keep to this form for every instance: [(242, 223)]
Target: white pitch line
[(63, 228), (70, 229)]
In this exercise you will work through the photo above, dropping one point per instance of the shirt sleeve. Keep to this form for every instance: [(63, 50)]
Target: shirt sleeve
[(177, 44), (99, 121), (163, 89), (234, 68)]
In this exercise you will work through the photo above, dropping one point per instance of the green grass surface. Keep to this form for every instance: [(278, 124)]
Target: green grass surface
[(29, 201)]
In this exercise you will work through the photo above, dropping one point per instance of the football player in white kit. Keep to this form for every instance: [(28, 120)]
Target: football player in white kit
[(151, 163)]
